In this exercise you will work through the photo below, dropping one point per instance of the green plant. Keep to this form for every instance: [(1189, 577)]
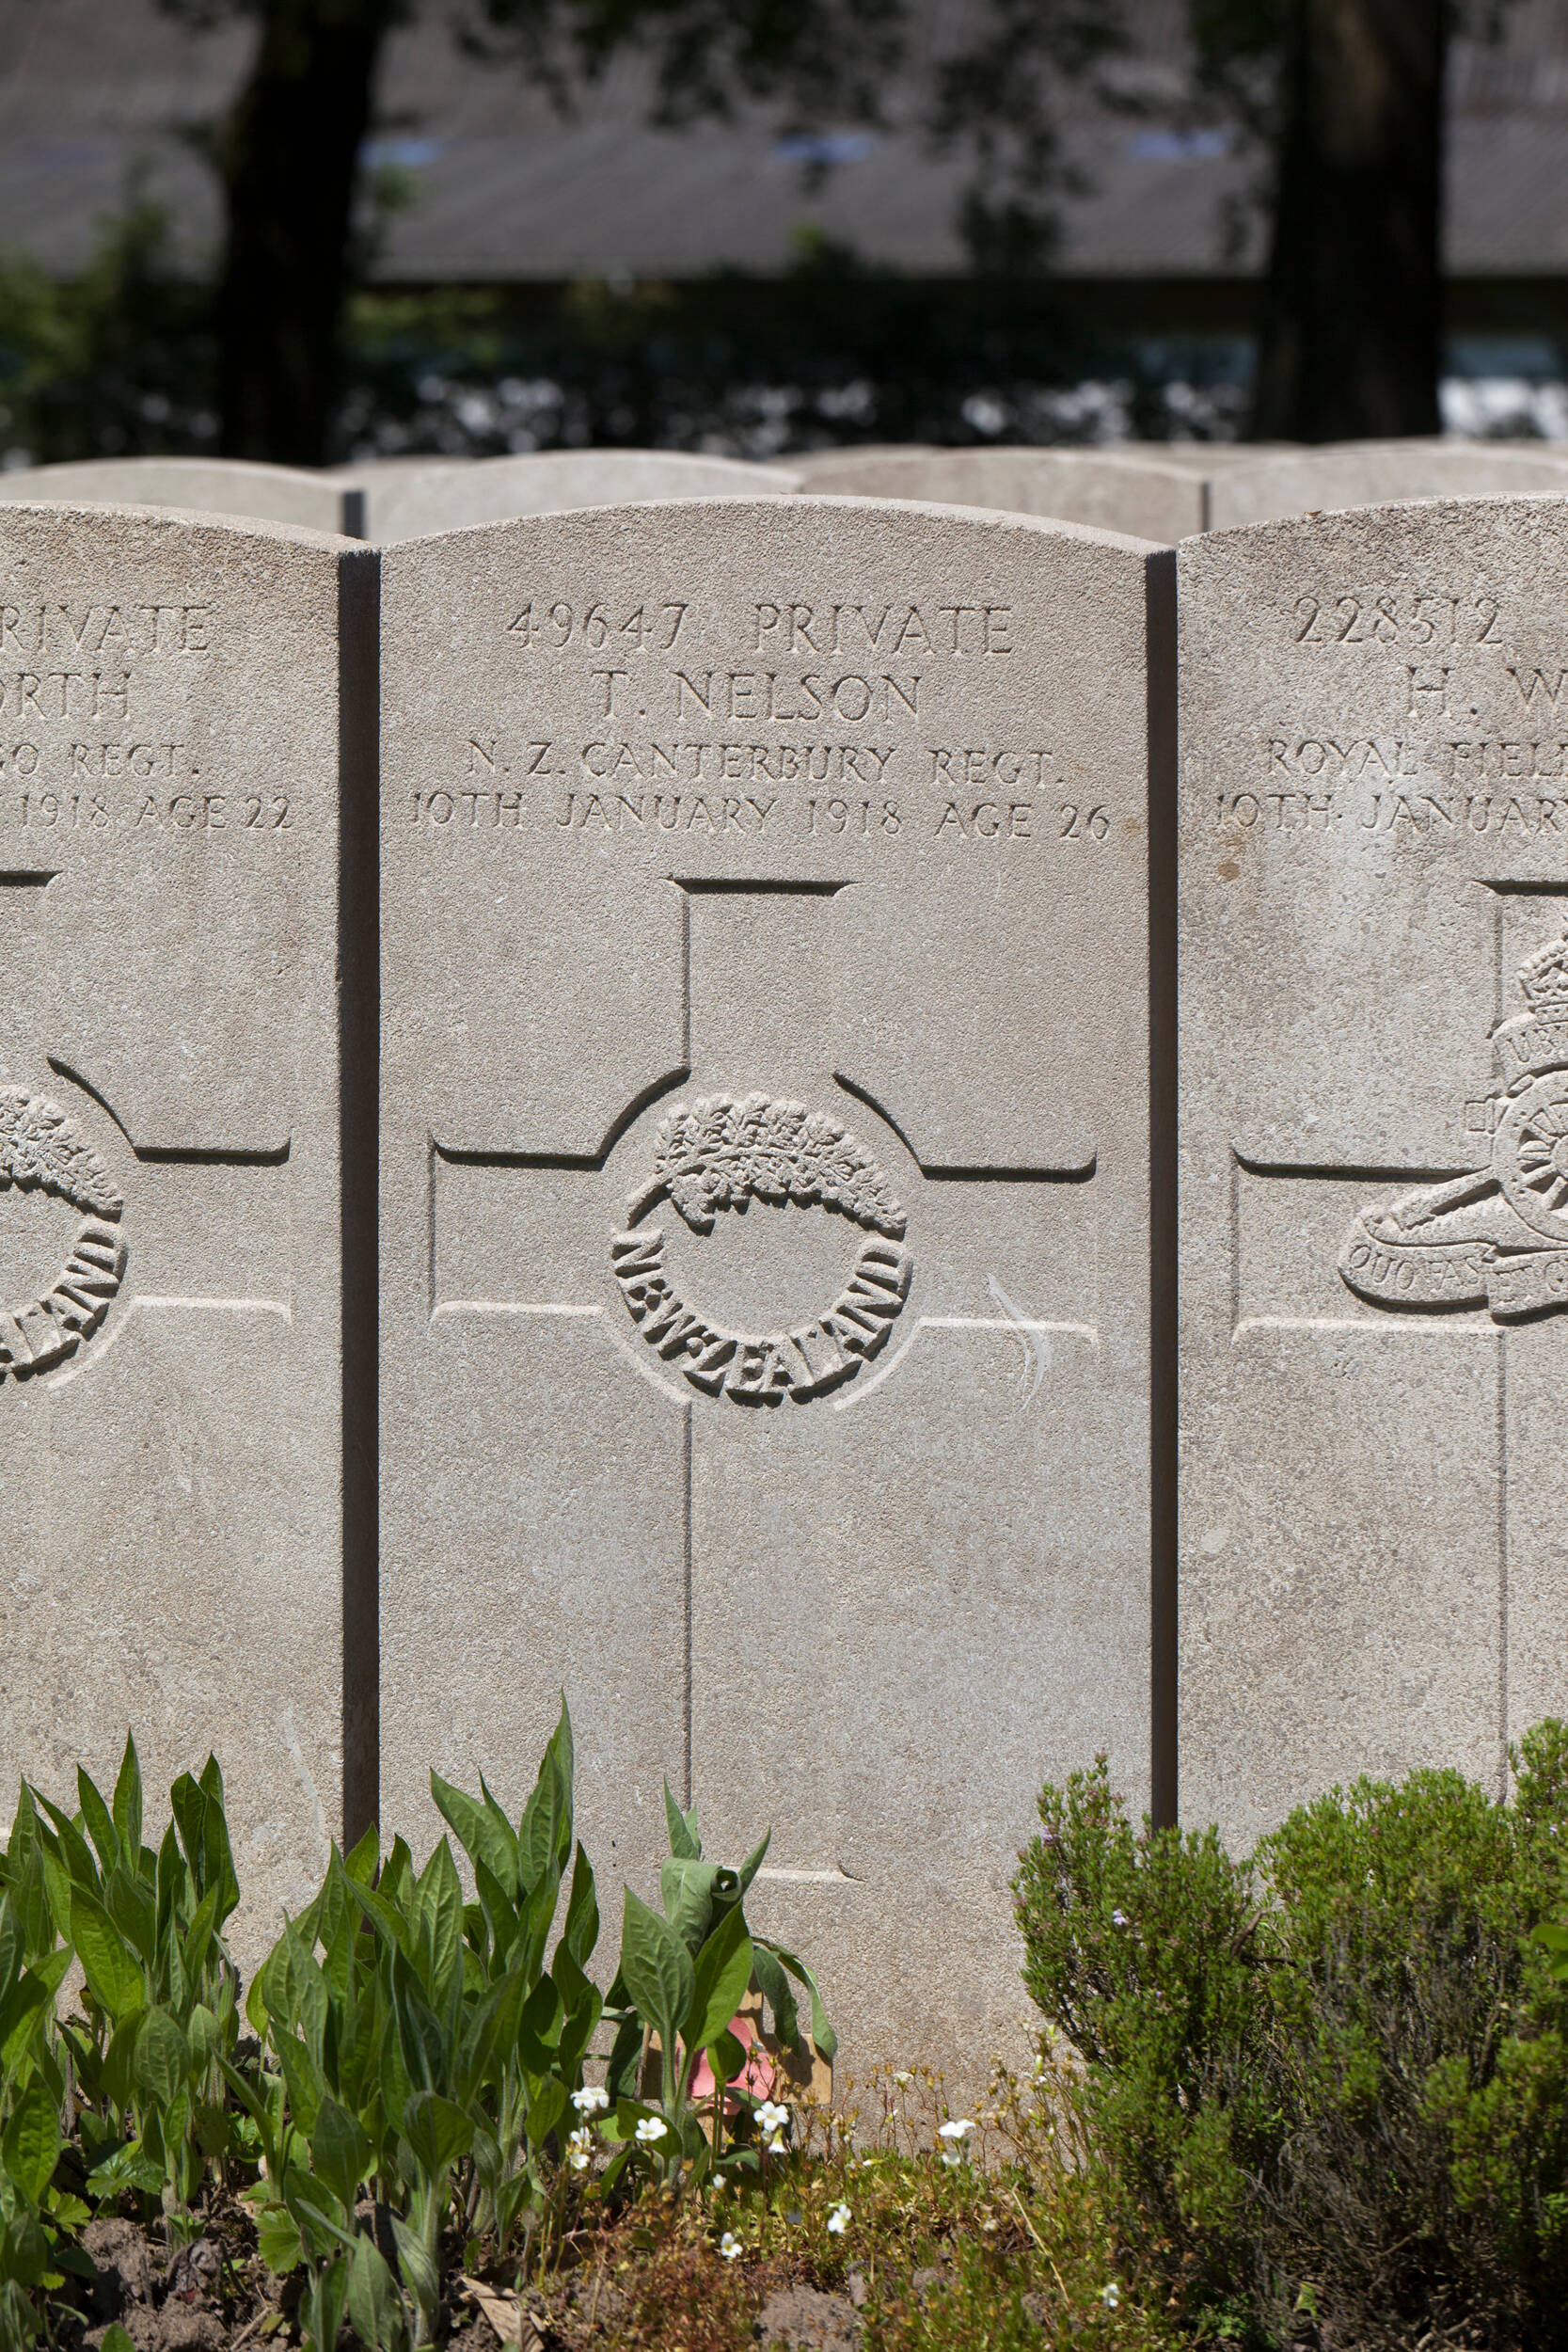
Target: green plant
[(426, 2059), (681, 1980), (1325, 2089), (159, 2005)]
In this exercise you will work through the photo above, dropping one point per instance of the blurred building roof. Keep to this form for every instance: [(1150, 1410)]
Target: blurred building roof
[(92, 92)]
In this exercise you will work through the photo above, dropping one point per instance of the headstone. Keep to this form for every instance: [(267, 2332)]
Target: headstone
[(185, 735), (765, 1200), (381, 478), (1374, 1203), (451, 497), (1127, 490), (1364, 473), (203, 485)]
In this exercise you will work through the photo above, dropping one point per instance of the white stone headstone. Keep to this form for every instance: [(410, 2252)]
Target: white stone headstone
[(1374, 1193), (453, 496), (178, 699), (205, 486), (765, 1200), (1288, 481), (1142, 492)]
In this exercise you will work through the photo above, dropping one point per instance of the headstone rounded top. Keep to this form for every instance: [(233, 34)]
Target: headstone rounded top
[(452, 496), (207, 485), (1130, 490), (1342, 474)]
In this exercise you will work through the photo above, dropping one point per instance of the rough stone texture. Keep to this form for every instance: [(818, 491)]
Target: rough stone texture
[(1374, 1246), (1361, 474), (1109, 490), (912, 899), (453, 496), (171, 1201), (203, 485)]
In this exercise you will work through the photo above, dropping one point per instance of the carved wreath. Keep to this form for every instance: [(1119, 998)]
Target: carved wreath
[(42, 1149), (717, 1153)]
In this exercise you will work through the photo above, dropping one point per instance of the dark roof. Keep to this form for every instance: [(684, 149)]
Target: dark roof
[(505, 190)]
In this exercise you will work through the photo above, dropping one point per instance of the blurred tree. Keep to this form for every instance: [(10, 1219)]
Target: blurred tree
[(1347, 99), (290, 153)]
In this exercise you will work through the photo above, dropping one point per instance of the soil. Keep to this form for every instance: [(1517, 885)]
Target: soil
[(215, 2295)]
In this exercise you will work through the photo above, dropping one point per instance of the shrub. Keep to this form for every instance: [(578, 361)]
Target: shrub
[(1327, 2088)]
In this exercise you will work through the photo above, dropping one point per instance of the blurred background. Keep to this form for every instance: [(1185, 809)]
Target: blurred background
[(317, 230)]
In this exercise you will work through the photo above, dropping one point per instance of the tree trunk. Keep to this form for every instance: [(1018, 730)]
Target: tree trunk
[(1352, 320), (290, 160)]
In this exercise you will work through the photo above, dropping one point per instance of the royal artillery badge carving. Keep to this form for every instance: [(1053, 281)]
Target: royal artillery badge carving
[(1498, 1237)]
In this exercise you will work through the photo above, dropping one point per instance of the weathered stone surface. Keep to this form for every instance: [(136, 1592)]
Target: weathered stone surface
[(206, 486), (764, 904), (1134, 491), (1364, 473), (171, 1204), (451, 497), (1374, 1243)]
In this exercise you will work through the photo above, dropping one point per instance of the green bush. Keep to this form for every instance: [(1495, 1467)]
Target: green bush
[(1327, 2087)]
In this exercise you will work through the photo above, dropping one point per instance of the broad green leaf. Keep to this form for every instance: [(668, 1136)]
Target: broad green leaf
[(722, 1973), (127, 1803), (115, 2338), (822, 2032), (340, 2151), (20, 2012), (696, 1895), (498, 1814), (545, 2109), (360, 1864), (131, 1906), (328, 2297), (11, 1955), (626, 2060), (32, 2142), (99, 1821), (683, 1833), (728, 2057), (384, 1916), (545, 1832), (774, 1987), (418, 2269), (278, 2239), (302, 2079), (24, 2251), (499, 1912), (477, 1830), (74, 1851), (437, 2132), (198, 1936), (440, 1916), (581, 1931), (657, 1971), (197, 1807), (162, 2058), (418, 2033), (754, 1862), (113, 1975), (374, 2305)]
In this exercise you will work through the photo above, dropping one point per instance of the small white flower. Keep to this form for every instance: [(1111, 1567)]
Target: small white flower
[(590, 2100), (730, 2245), (960, 2129), (1118, 1918), (776, 2146), (903, 2080), (952, 2158), (838, 2220), (772, 2118), (579, 2148), (1110, 2296), (651, 2128)]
